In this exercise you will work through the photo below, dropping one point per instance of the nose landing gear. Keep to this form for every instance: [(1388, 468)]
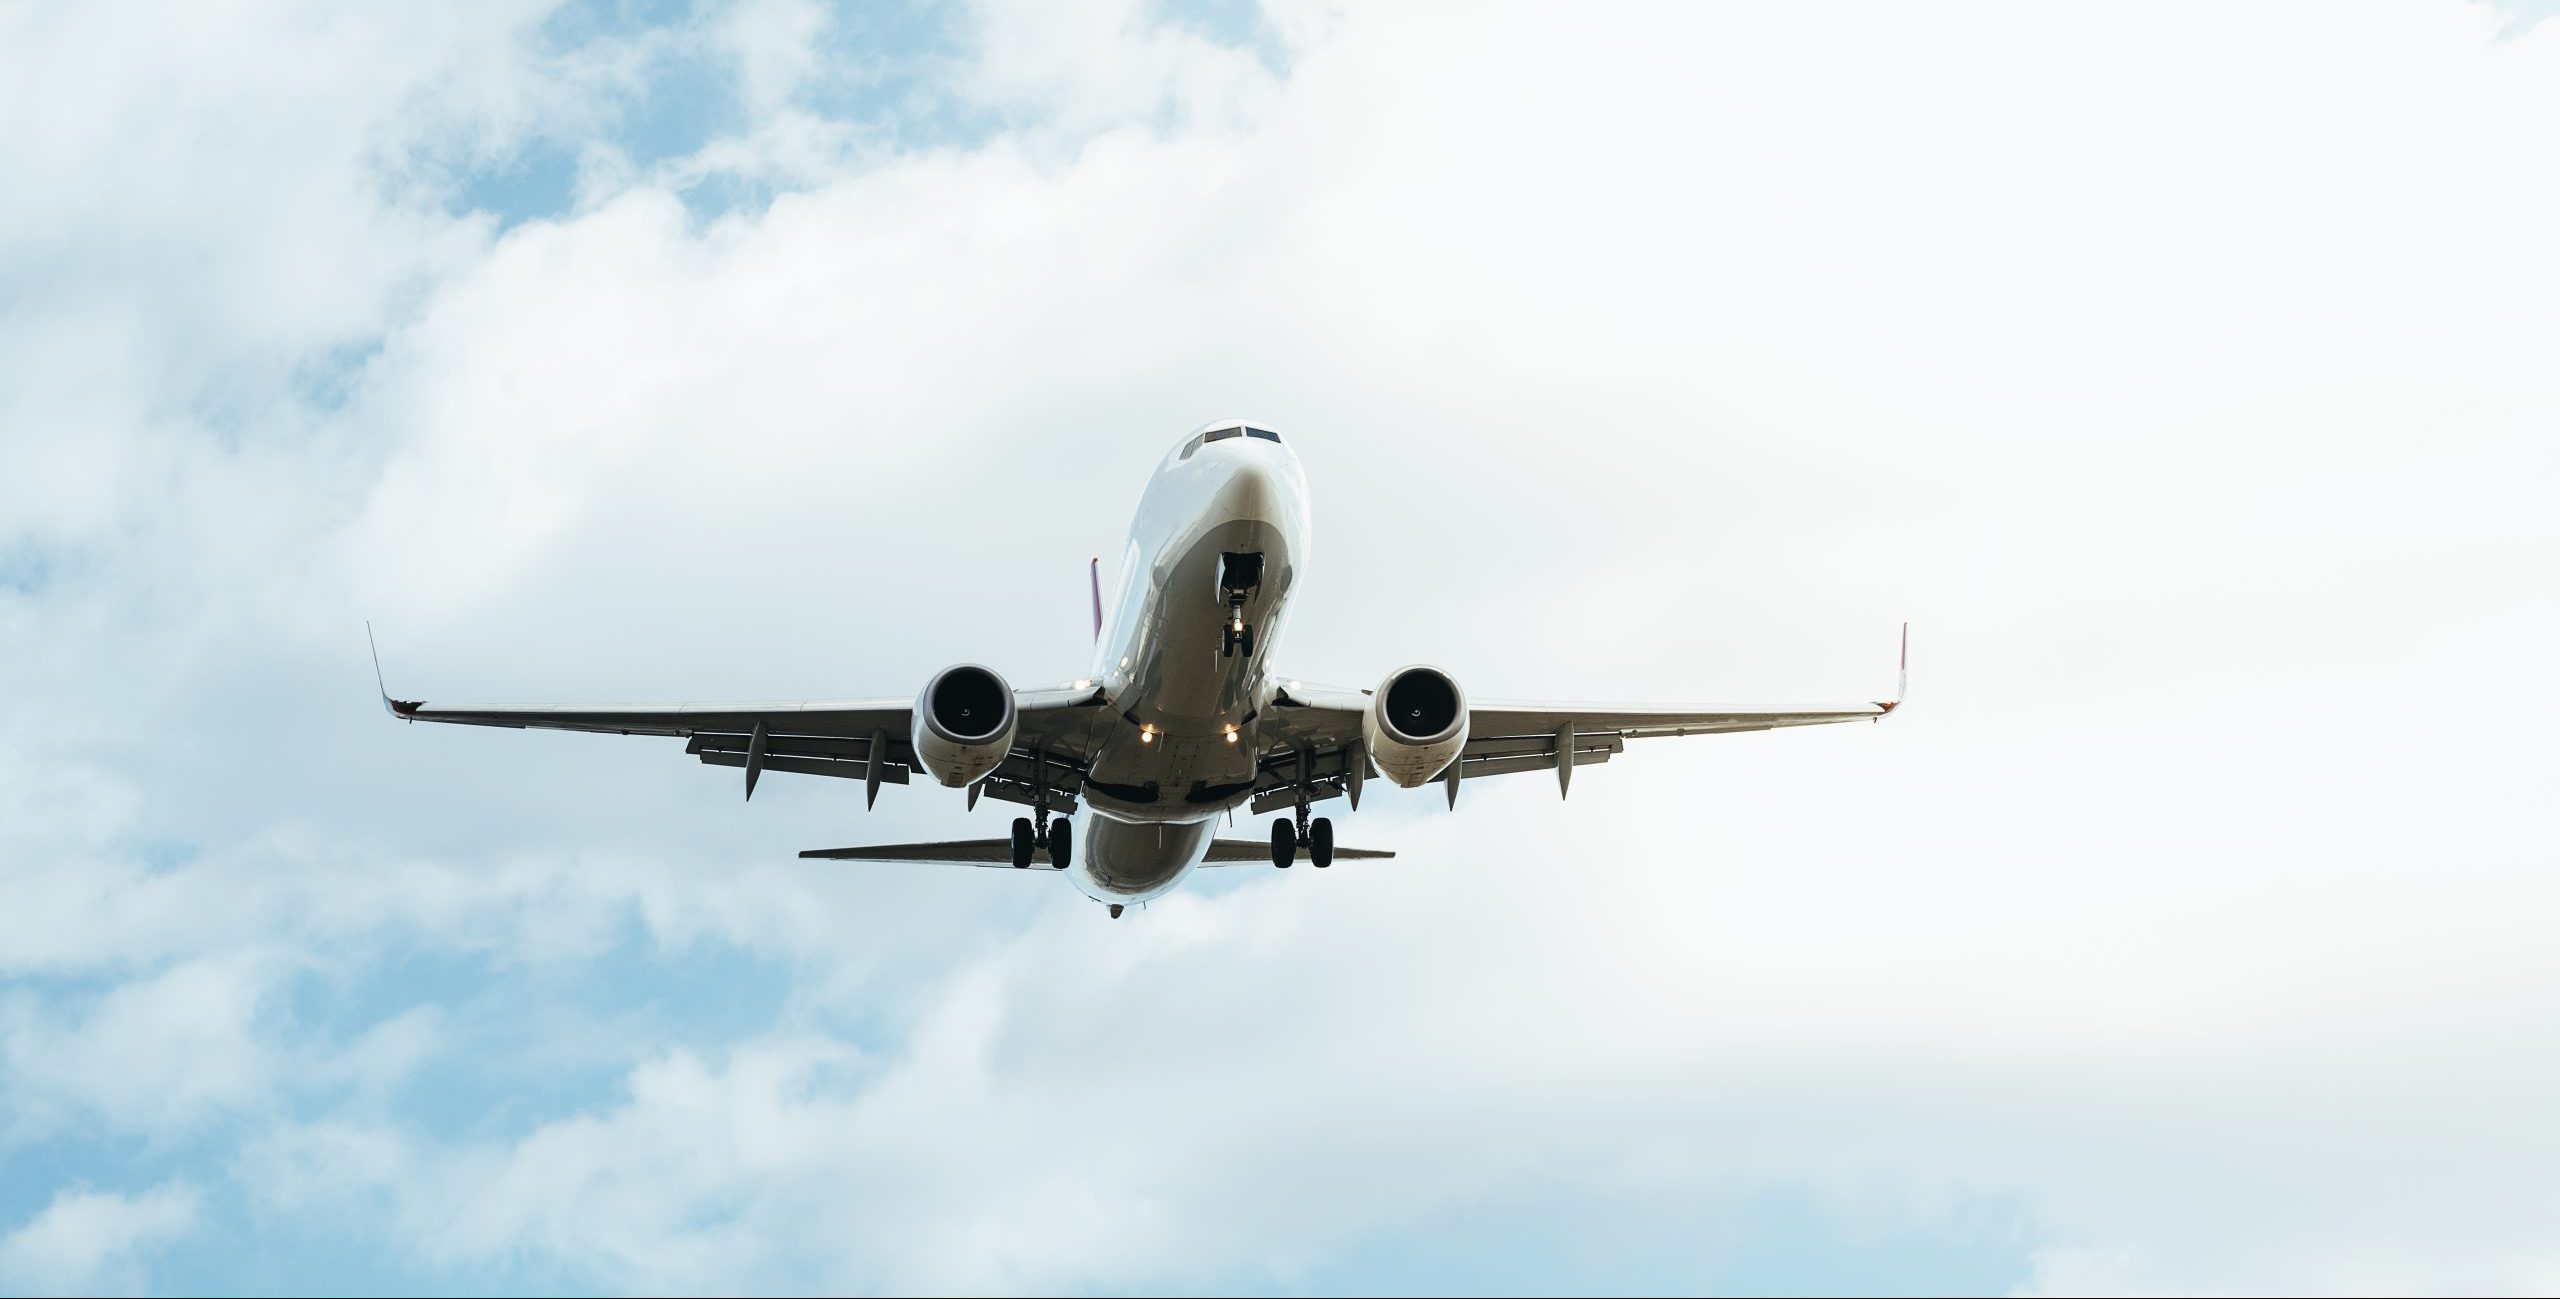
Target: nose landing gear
[(1239, 576), (1235, 638)]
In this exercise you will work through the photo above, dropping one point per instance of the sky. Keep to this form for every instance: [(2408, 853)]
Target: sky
[(2183, 372)]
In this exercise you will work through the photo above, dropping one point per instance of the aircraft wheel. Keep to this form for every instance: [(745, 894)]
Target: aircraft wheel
[(1320, 841), (1244, 642), (1062, 843), (1284, 843), (1021, 842)]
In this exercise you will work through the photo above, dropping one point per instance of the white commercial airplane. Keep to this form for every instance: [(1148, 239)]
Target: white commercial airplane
[(1178, 722)]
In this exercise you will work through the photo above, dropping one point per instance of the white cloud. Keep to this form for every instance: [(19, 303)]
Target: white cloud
[(159, 1053), (92, 1241), (2190, 392)]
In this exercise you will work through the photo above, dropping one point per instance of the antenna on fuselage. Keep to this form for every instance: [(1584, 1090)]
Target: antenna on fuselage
[(1095, 574)]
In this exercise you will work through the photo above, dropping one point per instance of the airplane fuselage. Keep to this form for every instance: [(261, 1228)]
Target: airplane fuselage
[(1185, 694)]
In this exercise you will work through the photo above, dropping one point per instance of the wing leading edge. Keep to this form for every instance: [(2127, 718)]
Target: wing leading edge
[(857, 739), (1317, 734)]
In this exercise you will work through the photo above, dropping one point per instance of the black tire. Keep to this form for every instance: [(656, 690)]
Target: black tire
[(1284, 843), (1320, 842), (1021, 842), (1062, 843), (1244, 642), (1226, 642)]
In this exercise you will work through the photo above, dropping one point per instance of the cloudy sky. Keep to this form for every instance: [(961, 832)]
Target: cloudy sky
[(2185, 372)]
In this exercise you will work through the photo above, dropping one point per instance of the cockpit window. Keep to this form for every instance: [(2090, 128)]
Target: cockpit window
[(1188, 448), (1262, 433), (1222, 435)]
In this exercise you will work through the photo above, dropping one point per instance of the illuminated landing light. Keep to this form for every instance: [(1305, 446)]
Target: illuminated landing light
[(1239, 625), (1231, 735), (1146, 736)]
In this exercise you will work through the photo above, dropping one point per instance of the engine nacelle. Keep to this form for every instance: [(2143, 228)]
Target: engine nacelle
[(1416, 724), (964, 722)]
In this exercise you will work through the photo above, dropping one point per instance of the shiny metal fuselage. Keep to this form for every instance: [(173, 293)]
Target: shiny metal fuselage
[(1166, 768)]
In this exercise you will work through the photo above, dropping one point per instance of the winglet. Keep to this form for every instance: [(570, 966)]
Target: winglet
[(1901, 676), (404, 709), (1095, 574)]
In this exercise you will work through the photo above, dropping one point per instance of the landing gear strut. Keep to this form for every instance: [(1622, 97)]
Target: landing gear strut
[(1239, 576), (1040, 831), (1296, 828), (1235, 638)]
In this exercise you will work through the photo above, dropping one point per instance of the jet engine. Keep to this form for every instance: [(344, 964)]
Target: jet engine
[(1417, 722), (964, 722)]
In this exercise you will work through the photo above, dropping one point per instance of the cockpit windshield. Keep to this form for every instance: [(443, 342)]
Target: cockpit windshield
[(1221, 435)]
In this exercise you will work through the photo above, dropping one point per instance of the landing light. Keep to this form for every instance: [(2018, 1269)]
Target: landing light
[(1146, 736)]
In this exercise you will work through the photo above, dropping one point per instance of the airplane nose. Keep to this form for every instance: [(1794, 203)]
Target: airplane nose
[(1253, 489)]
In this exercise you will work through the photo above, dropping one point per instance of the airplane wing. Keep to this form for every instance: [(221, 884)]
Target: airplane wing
[(999, 852), (1312, 736), (857, 739)]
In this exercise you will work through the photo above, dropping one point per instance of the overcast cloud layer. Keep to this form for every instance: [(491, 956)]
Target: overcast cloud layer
[(2184, 372)]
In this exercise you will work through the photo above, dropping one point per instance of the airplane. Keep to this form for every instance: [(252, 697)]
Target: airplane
[(1177, 722)]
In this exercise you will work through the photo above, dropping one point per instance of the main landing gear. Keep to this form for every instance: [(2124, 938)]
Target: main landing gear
[(1059, 841), (1239, 576), (1317, 833), (1039, 830), (1289, 831)]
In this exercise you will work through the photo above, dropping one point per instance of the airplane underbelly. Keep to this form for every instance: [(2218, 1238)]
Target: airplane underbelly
[(1126, 861), (1191, 677), (1171, 757)]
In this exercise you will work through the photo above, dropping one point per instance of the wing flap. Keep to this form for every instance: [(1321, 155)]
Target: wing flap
[(891, 773)]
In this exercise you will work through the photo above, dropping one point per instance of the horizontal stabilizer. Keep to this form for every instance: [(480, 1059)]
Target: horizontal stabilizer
[(999, 852), (964, 852), (1239, 852)]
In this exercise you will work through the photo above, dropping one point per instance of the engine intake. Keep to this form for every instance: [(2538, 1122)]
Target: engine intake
[(1416, 724), (964, 722)]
